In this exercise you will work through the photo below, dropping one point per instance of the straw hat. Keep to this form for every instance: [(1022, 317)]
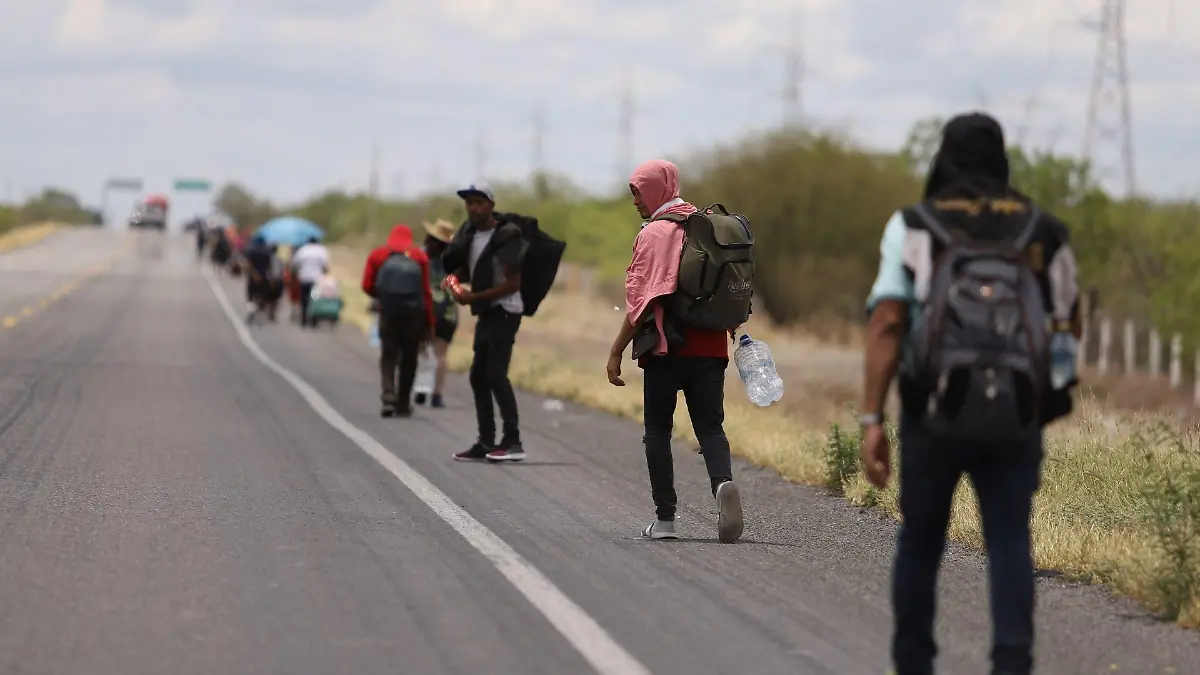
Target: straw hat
[(442, 230)]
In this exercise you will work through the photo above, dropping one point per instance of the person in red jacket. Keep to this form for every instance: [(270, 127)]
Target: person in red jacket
[(397, 277)]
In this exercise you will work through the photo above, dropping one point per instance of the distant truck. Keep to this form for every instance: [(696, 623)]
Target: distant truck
[(150, 213)]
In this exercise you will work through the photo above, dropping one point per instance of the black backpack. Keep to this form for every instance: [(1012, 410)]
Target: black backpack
[(982, 347), (399, 285), (539, 267), (716, 269)]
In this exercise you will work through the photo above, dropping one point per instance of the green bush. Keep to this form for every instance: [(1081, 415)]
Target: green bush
[(1171, 494), (819, 202), (9, 218)]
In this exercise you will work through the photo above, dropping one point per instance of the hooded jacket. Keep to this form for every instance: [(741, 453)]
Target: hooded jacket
[(969, 175), (506, 250), (971, 161), (967, 190), (653, 270), (400, 241)]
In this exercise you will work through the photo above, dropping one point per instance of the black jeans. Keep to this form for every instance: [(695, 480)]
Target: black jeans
[(495, 334), (399, 345), (305, 296), (702, 381), (1005, 478)]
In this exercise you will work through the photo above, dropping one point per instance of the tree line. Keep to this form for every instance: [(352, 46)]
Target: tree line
[(818, 202), (52, 204)]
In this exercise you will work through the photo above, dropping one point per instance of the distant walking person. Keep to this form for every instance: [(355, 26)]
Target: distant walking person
[(679, 357), (445, 310), (1003, 300), (309, 262), (489, 254), (262, 282), (397, 277), (201, 239), (221, 249)]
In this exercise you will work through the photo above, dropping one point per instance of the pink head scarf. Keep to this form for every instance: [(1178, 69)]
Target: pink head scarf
[(654, 270)]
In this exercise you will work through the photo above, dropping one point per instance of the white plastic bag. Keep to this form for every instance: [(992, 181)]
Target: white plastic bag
[(426, 370)]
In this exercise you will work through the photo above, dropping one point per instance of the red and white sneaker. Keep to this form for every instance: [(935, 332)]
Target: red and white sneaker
[(475, 453), (507, 452)]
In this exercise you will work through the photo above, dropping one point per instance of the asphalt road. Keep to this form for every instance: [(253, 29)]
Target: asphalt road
[(172, 503)]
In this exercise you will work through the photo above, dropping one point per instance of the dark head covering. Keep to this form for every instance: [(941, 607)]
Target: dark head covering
[(972, 160)]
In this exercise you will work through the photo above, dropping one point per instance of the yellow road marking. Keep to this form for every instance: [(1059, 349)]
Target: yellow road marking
[(10, 321)]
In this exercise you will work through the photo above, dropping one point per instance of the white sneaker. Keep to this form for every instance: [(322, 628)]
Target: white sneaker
[(729, 513), (660, 529)]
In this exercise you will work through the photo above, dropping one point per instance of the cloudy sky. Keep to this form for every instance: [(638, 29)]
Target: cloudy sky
[(289, 95)]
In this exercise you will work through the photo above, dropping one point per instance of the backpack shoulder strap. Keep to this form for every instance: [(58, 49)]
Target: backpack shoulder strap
[(934, 226), (1027, 232), (672, 217)]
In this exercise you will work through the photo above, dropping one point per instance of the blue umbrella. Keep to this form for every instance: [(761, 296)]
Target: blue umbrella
[(289, 230)]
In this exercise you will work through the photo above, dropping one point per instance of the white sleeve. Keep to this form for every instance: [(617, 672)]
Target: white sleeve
[(1063, 274)]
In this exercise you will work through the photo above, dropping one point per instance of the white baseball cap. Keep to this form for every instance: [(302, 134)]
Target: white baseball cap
[(478, 188)]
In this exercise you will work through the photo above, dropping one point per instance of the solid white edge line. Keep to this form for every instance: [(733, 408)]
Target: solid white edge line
[(596, 646)]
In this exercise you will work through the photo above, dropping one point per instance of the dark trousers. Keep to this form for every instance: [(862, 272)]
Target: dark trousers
[(495, 334), (305, 297), (702, 381), (1005, 478), (400, 343)]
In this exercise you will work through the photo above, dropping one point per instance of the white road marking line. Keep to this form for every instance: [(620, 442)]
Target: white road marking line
[(580, 630)]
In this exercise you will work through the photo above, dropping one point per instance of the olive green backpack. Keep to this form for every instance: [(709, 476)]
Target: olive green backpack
[(716, 269)]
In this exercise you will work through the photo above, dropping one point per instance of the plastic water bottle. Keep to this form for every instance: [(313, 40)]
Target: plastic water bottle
[(373, 335), (757, 370), (1063, 349), (426, 372)]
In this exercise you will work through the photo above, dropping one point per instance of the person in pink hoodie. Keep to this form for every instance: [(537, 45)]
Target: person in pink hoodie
[(674, 357)]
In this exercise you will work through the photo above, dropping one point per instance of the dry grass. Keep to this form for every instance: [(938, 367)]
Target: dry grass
[(26, 235), (1120, 498)]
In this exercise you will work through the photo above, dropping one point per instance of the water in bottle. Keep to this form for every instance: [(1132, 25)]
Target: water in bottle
[(1063, 349), (757, 370), (373, 334), (426, 371)]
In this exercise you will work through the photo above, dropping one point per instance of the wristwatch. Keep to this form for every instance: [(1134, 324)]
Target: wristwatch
[(870, 419)]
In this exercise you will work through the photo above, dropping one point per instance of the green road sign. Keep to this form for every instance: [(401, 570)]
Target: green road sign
[(193, 185)]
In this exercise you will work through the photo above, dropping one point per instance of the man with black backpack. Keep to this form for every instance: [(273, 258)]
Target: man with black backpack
[(976, 291), (510, 265), (680, 316), (397, 277)]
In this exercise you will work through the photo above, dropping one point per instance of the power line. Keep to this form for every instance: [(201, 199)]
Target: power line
[(794, 70), (1109, 96), (539, 137), (540, 184), (373, 188), (1033, 102), (481, 154), (435, 177), (625, 127)]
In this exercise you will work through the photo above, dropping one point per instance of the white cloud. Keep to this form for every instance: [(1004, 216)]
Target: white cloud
[(97, 26), (289, 95)]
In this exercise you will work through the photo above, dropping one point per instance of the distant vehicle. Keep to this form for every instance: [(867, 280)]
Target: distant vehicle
[(150, 213)]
